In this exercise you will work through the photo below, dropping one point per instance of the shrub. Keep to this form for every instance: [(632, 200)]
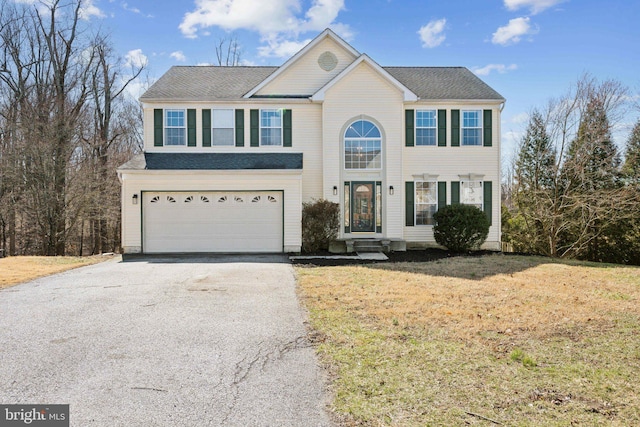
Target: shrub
[(320, 224), (460, 227)]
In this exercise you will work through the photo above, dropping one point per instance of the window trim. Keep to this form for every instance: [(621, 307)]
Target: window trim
[(416, 204), (165, 126), (280, 111), (480, 128), (481, 189), (434, 127), (232, 128), (344, 146)]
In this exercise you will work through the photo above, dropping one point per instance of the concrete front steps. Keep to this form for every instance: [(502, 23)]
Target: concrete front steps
[(373, 245)]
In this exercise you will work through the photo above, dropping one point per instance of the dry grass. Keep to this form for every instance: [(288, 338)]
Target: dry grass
[(19, 269), (520, 340)]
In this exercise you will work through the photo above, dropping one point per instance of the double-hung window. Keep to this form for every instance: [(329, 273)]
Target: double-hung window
[(271, 127), (472, 127), (426, 202), (426, 127), (472, 193), (175, 130), (223, 127)]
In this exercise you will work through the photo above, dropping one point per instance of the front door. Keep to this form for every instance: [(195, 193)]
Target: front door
[(363, 211)]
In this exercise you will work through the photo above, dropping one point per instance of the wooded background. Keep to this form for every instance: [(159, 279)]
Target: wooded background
[(570, 192), (66, 123)]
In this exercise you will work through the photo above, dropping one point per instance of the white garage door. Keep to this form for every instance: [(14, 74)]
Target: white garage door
[(212, 222)]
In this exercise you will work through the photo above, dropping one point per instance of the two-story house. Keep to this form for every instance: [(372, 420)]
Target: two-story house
[(231, 153)]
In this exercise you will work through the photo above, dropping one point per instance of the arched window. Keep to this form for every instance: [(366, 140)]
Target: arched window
[(362, 146)]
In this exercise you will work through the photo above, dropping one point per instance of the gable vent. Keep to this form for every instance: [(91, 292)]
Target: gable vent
[(328, 61)]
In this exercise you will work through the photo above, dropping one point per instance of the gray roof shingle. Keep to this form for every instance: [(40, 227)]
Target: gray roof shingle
[(214, 161), (206, 83), (210, 83), (440, 83)]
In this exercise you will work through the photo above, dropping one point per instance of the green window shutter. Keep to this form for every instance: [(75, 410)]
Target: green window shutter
[(442, 194), (442, 128), (455, 128), (409, 198), (239, 128), (158, 127), (254, 120), (347, 207), (455, 192), (409, 128), (191, 127), (488, 128), (286, 129), (206, 128), (378, 207), (487, 196)]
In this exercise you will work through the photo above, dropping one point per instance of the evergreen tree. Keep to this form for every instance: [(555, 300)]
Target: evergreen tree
[(592, 160), (627, 240), (534, 174), (631, 168), (591, 174), (536, 158)]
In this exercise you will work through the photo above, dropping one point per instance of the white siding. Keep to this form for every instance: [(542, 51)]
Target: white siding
[(448, 163), (305, 77), (360, 94), (306, 136)]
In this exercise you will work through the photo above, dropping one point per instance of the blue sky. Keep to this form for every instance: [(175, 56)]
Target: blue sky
[(528, 50)]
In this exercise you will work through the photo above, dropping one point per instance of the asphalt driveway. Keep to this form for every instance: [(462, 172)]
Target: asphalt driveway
[(164, 342)]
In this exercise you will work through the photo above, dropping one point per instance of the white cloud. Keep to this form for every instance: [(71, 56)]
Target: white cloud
[(178, 56), (134, 9), (535, 6), (128, 8), (513, 31), (500, 68), (135, 59), (520, 118), (343, 30), (279, 22), (431, 34), (281, 48), (89, 10)]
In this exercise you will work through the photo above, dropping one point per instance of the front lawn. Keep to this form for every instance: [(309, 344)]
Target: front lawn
[(518, 341), (18, 269)]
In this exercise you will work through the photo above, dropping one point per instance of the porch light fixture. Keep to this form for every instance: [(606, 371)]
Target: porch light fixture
[(391, 190), (134, 199), (335, 190)]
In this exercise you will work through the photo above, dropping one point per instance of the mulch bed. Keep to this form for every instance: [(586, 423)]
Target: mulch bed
[(423, 255)]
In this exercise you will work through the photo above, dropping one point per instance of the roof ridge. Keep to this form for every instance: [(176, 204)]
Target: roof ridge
[(423, 66), (225, 66)]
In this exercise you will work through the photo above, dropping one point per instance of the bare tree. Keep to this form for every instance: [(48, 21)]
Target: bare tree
[(65, 126), (108, 85), (577, 195), (228, 52)]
